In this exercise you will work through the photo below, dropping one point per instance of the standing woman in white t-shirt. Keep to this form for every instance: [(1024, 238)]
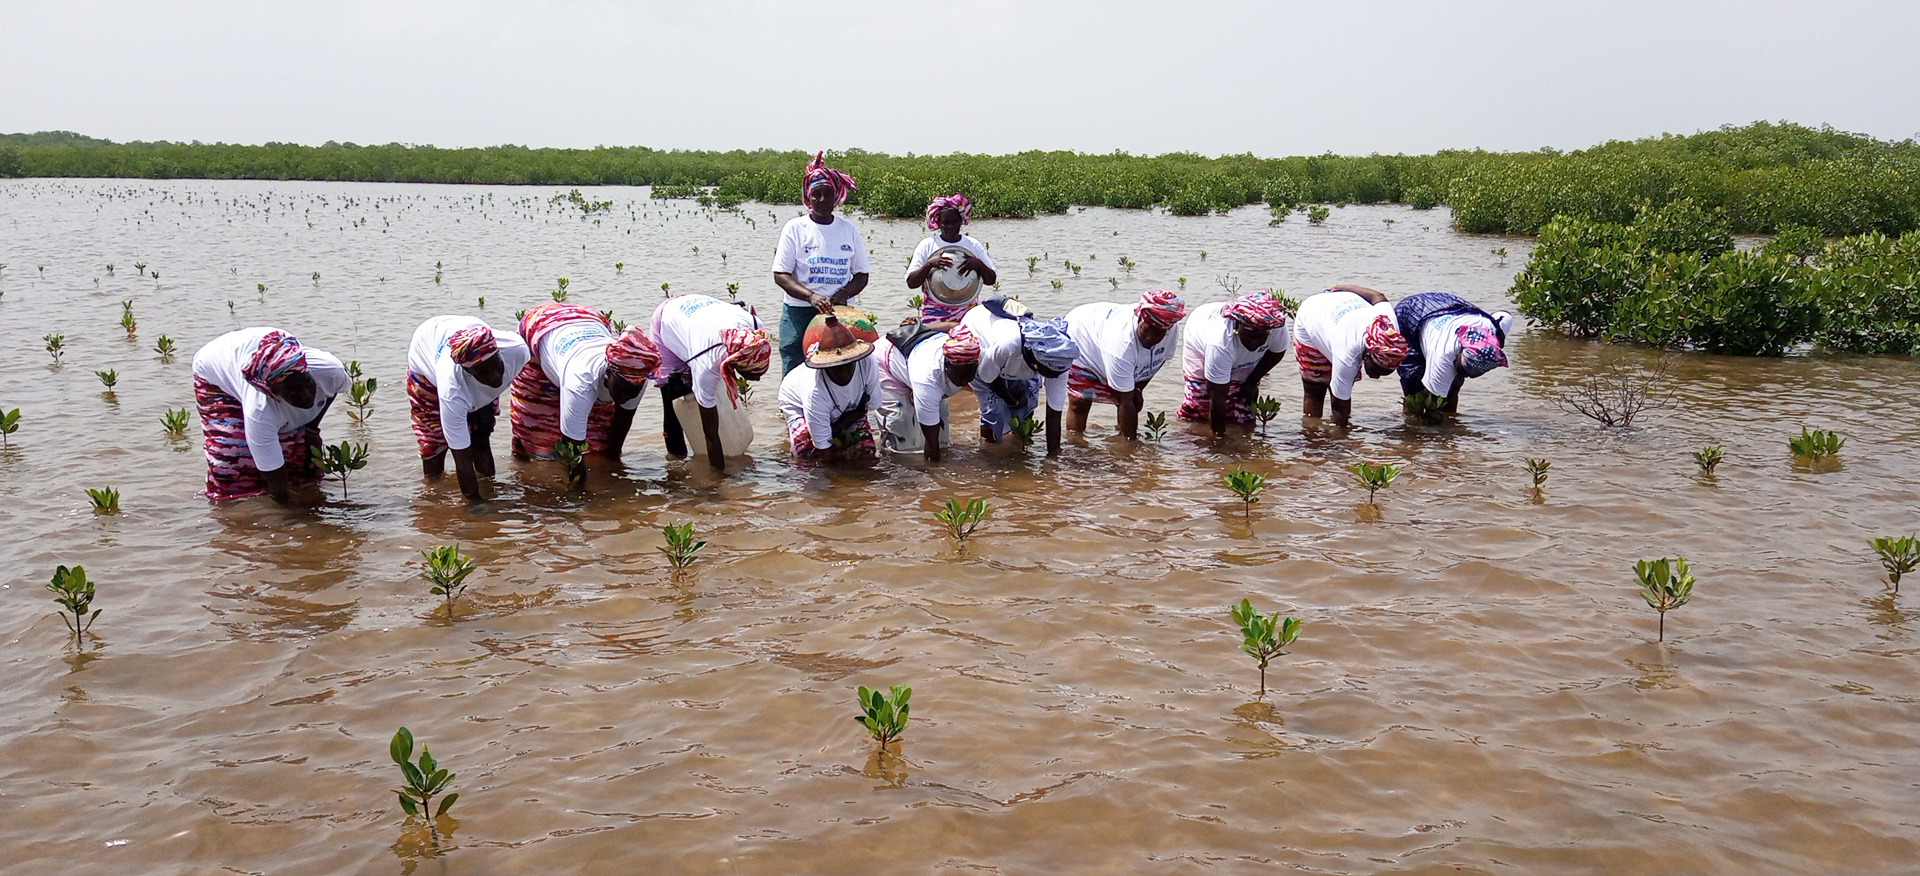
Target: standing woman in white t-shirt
[(1338, 334), (945, 214), (261, 396), (457, 368), (821, 260)]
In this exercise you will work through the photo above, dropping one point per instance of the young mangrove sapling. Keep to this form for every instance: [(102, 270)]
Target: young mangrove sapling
[(1264, 636), (75, 594), (1374, 477), (1665, 584), (680, 547), (106, 500), (884, 714), (339, 459), (1247, 486), (447, 570), (962, 518), (424, 780), (1898, 555)]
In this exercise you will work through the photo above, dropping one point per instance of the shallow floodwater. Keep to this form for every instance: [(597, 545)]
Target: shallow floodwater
[(1477, 688)]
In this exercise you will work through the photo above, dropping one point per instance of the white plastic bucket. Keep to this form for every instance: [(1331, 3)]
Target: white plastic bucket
[(736, 428)]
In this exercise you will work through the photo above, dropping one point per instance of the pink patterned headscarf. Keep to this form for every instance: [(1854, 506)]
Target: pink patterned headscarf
[(1256, 310), (957, 201), (818, 173), (472, 345), (278, 356), (1161, 307), (633, 355), (1479, 350), (1385, 345), (745, 353), (962, 346)]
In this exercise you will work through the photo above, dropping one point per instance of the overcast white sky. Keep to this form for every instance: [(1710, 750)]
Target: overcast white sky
[(1271, 78)]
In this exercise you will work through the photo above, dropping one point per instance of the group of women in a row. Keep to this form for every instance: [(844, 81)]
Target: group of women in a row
[(575, 381)]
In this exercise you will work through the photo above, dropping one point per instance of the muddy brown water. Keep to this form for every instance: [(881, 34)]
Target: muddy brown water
[(1477, 688)]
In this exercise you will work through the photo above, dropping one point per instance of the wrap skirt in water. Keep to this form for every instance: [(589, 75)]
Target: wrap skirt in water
[(1198, 404), (231, 473), (1315, 367), (536, 416), (1082, 382), (423, 403), (853, 445)]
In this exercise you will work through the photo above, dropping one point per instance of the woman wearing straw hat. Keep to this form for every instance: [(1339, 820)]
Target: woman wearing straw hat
[(826, 402), (1121, 348), (1338, 334), (956, 264), (583, 383), (1229, 347), (1448, 341), (821, 262)]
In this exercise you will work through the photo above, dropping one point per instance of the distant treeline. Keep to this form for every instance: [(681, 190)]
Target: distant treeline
[(1764, 176)]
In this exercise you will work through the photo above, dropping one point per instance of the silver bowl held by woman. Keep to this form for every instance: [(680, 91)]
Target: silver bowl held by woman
[(949, 285)]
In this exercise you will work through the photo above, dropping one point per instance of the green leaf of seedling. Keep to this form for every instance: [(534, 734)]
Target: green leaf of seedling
[(446, 804), (402, 746), (427, 762), (407, 805), (414, 777)]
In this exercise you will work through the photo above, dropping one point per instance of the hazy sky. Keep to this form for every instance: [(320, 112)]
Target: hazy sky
[(1271, 78)]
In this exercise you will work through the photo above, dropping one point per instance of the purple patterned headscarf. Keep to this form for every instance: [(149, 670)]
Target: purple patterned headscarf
[(957, 201), (1479, 350)]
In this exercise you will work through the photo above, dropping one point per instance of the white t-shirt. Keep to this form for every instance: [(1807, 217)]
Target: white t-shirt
[(459, 393), (920, 375), (574, 357), (1335, 323), (1440, 346), (807, 393), (1213, 351), (934, 244), (821, 257), (264, 417), (1001, 355), (687, 330), (1105, 335)]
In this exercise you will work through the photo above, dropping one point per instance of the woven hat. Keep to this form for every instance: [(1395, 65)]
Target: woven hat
[(849, 338)]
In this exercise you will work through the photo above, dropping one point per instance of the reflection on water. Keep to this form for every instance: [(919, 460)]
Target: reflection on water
[(1080, 703)]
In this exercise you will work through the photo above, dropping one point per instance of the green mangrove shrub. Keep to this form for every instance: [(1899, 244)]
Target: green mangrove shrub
[(1024, 428), (1666, 584), (962, 518), (423, 780), (340, 460), (174, 422), (1897, 555), (1247, 485), (108, 378), (1708, 458), (56, 344), (681, 547), (106, 500), (1374, 477), (1815, 443), (884, 714), (1537, 469), (1264, 637), (165, 348), (74, 594), (573, 462), (1424, 407), (446, 570)]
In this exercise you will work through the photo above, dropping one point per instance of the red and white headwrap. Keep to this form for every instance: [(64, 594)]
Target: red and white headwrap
[(962, 346), (1256, 310), (633, 355), (957, 201), (818, 173), (1385, 345), (472, 345), (744, 353), (278, 356), (1161, 307)]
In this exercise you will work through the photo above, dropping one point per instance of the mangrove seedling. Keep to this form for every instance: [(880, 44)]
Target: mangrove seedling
[(483, 302), (1708, 458), (108, 378), (126, 319), (1317, 214), (447, 570), (733, 291), (1030, 263), (1424, 407), (56, 344), (1374, 477), (1265, 409), (165, 347), (619, 266), (1056, 284), (1154, 427), (75, 594), (106, 500), (1024, 428), (1898, 555), (560, 289), (1264, 636), (1115, 281), (572, 463), (141, 267), (9, 424), (424, 780), (1665, 584), (884, 714), (663, 290), (1183, 283), (1247, 486), (680, 548), (260, 288), (1816, 443), (316, 276), (175, 422), (360, 393), (962, 518), (1538, 469), (340, 459)]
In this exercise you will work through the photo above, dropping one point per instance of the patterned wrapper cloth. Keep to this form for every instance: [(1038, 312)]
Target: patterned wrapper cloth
[(853, 445), (1315, 367), (535, 411), (1198, 403), (423, 404), (934, 310), (1082, 382), (231, 473)]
